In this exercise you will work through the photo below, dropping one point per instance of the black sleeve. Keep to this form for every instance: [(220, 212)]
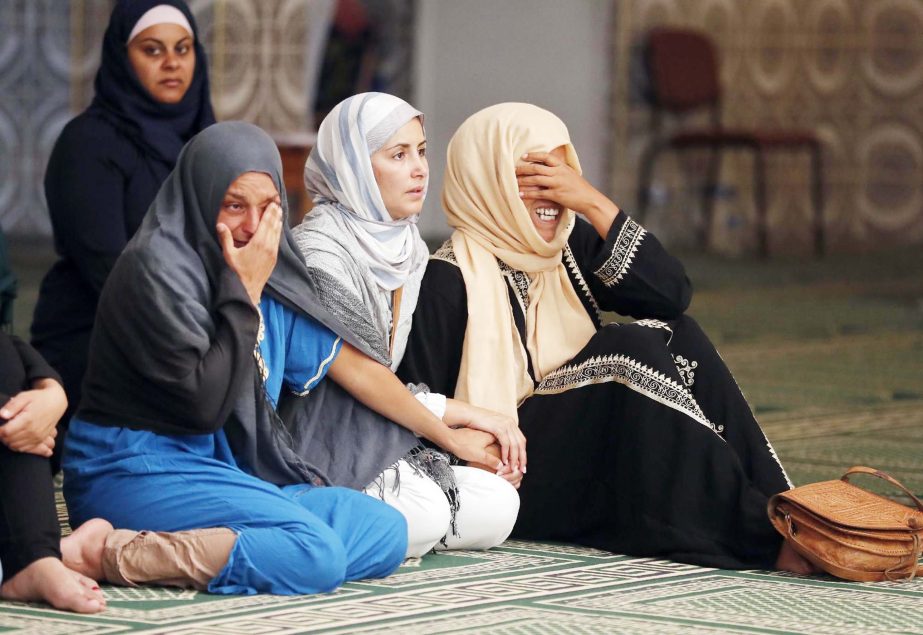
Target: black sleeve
[(630, 272), (34, 364), (207, 393), (434, 348), (85, 189), (139, 376)]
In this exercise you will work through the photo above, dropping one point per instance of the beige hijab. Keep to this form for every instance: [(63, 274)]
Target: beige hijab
[(481, 201)]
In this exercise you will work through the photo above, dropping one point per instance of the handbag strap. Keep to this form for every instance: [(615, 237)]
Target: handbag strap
[(861, 469)]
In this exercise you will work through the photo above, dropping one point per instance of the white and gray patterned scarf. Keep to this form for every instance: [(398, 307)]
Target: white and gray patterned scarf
[(339, 177)]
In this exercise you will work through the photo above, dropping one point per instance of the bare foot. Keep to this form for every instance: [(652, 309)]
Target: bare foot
[(82, 551), (49, 580), (791, 560)]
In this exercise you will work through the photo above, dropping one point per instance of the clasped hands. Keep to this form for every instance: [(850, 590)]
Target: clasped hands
[(31, 417), (497, 434)]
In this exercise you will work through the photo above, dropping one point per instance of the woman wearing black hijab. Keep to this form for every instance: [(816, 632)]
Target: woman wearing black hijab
[(151, 97)]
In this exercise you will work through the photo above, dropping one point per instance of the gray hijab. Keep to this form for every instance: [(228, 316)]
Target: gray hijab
[(164, 285)]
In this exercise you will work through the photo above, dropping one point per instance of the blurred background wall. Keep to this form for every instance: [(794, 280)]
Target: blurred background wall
[(474, 53), (852, 70)]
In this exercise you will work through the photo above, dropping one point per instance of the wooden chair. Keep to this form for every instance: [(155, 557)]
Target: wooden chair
[(683, 67)]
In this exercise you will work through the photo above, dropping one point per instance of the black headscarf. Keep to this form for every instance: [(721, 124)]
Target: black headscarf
[(158, 314), (159, 129)]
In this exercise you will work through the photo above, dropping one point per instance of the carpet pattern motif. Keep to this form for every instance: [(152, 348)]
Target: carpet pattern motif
[(520, 588)]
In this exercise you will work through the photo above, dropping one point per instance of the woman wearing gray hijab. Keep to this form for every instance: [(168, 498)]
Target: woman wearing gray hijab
[(181, 375), (367, 175)]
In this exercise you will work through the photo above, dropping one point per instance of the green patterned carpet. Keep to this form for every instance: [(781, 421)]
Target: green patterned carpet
[(829, 354), (521, 588)]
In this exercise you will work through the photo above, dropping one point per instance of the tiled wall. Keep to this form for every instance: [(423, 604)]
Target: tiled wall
[(35, 67), (852, 70)]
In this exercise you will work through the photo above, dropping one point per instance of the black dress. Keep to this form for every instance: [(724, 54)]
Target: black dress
[(29, 528), (642, 443)]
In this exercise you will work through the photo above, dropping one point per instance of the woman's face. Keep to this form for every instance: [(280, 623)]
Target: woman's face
[(401, 170), (244, 204), (546, 214), (163, 57)]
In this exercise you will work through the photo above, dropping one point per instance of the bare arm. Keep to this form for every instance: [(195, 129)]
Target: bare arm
[(378, 388)]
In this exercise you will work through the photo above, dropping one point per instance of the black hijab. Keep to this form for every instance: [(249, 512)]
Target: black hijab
[(159, 314), (159, 129)]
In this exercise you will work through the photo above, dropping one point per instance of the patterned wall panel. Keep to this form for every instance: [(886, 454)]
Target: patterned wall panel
[(852, 70), (261, 57), (35, 54)]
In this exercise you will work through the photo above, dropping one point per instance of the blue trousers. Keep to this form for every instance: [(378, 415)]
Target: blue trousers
[(291, 540)]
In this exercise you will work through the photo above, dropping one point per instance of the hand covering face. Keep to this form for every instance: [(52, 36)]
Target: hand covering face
[(481, 200)]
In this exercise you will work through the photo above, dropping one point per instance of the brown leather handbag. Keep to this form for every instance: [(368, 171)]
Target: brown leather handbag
[(850, 532)]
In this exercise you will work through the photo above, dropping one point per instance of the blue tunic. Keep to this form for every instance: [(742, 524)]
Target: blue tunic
[(295, 352), (291, 540)]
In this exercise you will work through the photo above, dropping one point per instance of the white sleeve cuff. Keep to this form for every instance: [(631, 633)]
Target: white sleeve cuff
[(433, 401)]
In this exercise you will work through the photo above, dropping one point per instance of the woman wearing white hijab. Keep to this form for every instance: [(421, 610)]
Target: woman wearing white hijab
[(368, 177), (640, 441)]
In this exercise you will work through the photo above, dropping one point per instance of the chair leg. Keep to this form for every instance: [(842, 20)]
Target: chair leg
[(817, 191), (759, 200), (648, 160), (708, 195)]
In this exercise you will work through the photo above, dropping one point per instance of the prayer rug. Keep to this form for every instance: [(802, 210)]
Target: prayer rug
[(522, 588)]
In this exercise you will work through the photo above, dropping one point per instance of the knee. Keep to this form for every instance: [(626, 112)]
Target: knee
[(689, 337), (686, 321), (427, 524), (323, 568), (489, 508), (686, 328), (502, 504)]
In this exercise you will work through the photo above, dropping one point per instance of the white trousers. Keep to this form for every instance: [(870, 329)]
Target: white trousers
[(487, 508)]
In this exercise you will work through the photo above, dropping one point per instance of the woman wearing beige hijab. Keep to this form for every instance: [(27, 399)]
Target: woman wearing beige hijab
[(639, 439)]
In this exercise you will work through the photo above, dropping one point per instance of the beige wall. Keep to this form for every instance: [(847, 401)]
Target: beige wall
[(474, 53), (852, 70)]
